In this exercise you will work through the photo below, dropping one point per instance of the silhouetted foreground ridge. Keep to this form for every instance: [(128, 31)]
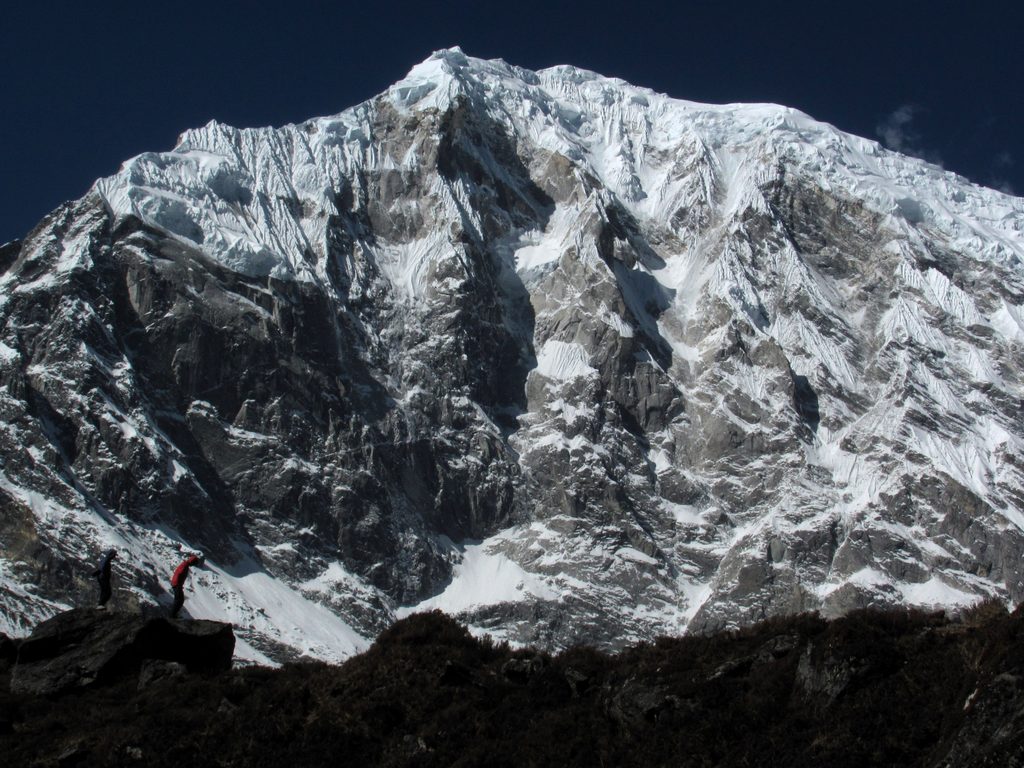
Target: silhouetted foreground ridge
[(906, 689), (85, 647)]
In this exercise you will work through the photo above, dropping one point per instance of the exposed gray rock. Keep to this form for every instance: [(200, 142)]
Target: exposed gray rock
[(633, 702), (521, 669), (158, 669), (636, 366), (989, 734)]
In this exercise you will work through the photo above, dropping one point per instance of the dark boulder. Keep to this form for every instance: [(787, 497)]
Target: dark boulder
[(83, 647), (637, 703), (8, 651), (201, 645), (522, 668)]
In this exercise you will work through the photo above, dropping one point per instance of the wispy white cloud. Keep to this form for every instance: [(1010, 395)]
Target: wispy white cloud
[(897, 132), (1002, 162)]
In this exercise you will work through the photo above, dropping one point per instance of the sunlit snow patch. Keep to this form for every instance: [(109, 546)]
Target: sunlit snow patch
[(935, 593), (256, 601), (20, 608), (563, 361), (1009, 321), (483, 578)]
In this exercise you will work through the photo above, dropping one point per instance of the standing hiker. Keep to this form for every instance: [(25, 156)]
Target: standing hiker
[(102, 575), (178, 581)]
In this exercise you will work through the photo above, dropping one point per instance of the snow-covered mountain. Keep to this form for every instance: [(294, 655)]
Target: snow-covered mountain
[(565, 357)]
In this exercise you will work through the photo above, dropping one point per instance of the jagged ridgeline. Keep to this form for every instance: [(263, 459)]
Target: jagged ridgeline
[(564, 357), (873, 688)]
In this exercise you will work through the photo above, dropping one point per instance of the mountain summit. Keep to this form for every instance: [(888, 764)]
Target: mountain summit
[(564, 357)]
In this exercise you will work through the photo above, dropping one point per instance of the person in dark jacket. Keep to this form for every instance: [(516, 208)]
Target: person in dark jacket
[(102, 575), (178, 581)]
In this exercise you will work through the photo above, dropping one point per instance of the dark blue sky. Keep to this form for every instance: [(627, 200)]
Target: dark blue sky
[(85, 85)]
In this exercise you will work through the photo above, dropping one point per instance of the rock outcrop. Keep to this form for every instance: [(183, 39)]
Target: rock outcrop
[(86, 647)]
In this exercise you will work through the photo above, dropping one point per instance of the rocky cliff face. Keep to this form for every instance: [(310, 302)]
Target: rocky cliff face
[(565, 357)]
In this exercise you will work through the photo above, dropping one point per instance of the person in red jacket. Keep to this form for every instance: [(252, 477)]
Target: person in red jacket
[(178, 581)]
